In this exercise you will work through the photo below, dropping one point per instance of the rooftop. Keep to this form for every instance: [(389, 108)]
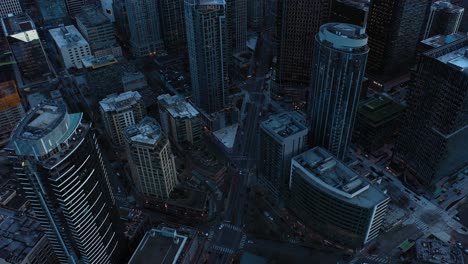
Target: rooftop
[(177, 106), (360, 4), (343, 36), (189, 198), (320, 168), (447, 7), (227, 135), (52, 9), (210, 2), (148, 131), (17, 24), (162, 246), (457, 59), (91, 16), (284, 125), (95, 63), (120, 102), (67, 36), (441, 40), (379, 110)]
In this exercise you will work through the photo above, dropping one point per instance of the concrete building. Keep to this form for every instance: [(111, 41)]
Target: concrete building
[(173, 26), (444, 18), (58, 161), (340, 55), (432, 142), (119, 112), (298, 22), (145, 27), (179, 119), (99, 31), (255, 14), (150, 158), (22, 241), (282, 137), (353, 12), (377, 122), (11, 110), (26, 47), (71, 45), (8, 7), (53, 12), (334, 200), (208, 54)]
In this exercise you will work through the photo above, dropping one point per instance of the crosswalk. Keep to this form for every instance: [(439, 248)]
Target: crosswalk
[(233, 227), (420, 224), (378, 259), (223, 249), (242, 242)]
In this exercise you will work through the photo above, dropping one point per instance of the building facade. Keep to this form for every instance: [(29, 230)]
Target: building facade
[(255, 14), (207, 48), (353, 12), (10, 7), (179, 119), (151, 160), (72, 46), (432, 142), (11, 110), (282, 137), (236, 13), (173, 25), (340, 55), (58, 162), (74, 6), (298, 23), (119, 112), (444, 18), (331, 198)]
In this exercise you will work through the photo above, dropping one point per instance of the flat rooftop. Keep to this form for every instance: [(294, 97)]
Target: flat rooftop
[(457, 59), (227, 135), (120, 102), (95, 63), (147, 131), (162, 246), (91, 16), (441, 40), (177, 107), (322, 169), (189, 198), (17, 24), (284, 125), (377, 111), (67, 36), (447, 7)]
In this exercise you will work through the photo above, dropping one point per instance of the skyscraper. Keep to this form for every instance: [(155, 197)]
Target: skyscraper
[(144, 27), (394, 28), (59, 165), (298, 22), (255, 14), (444, 18), (173, 25), (340, 55), (350, 11), (26, 47), (236, 14), (432, 142), (11, 110), (10, 7), (207, 48), (150, 157), (119, 112)]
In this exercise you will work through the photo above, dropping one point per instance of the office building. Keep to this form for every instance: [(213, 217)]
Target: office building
[(377, 122), (334, 200), (282, 137), (99, 31), (179, 119), (151, 161), (207, 49), (255, 14), (121, 19), (432, 142), (11, 110), (145, 27), (53, 12), (71, 46), (119, 112), (74, 6), (27, 50), (58, 162), (22, 240), (340, 54), (8, 7), (236, 19), (173, 26), (353, 12), (444, 18), (298, 23), (438, 41), (394, 29), (464, 23)]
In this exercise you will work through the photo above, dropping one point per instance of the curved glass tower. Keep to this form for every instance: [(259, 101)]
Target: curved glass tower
[(59, 164), (340, 55)]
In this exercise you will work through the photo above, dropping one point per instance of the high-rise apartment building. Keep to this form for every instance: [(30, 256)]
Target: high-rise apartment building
[(394, 28), (59, 165), (11, 110), (26, 47), (145, 27), (282, 137), (236, 15), (334, 200), (207, 48), (150, 157), (71, 45), (99, 31), (444, 18), (179, 119), (298, 23), (353, 12), (340, 54), (255, 14), (173, 25), (119, 112), (8, 7), (432, 142)]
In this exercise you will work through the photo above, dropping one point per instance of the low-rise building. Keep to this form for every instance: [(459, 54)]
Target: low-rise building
[(71, 45)]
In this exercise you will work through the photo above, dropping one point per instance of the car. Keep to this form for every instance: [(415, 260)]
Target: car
[(459, 245), (251, 242), (466, 251), (456, 218), (221, 226)]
